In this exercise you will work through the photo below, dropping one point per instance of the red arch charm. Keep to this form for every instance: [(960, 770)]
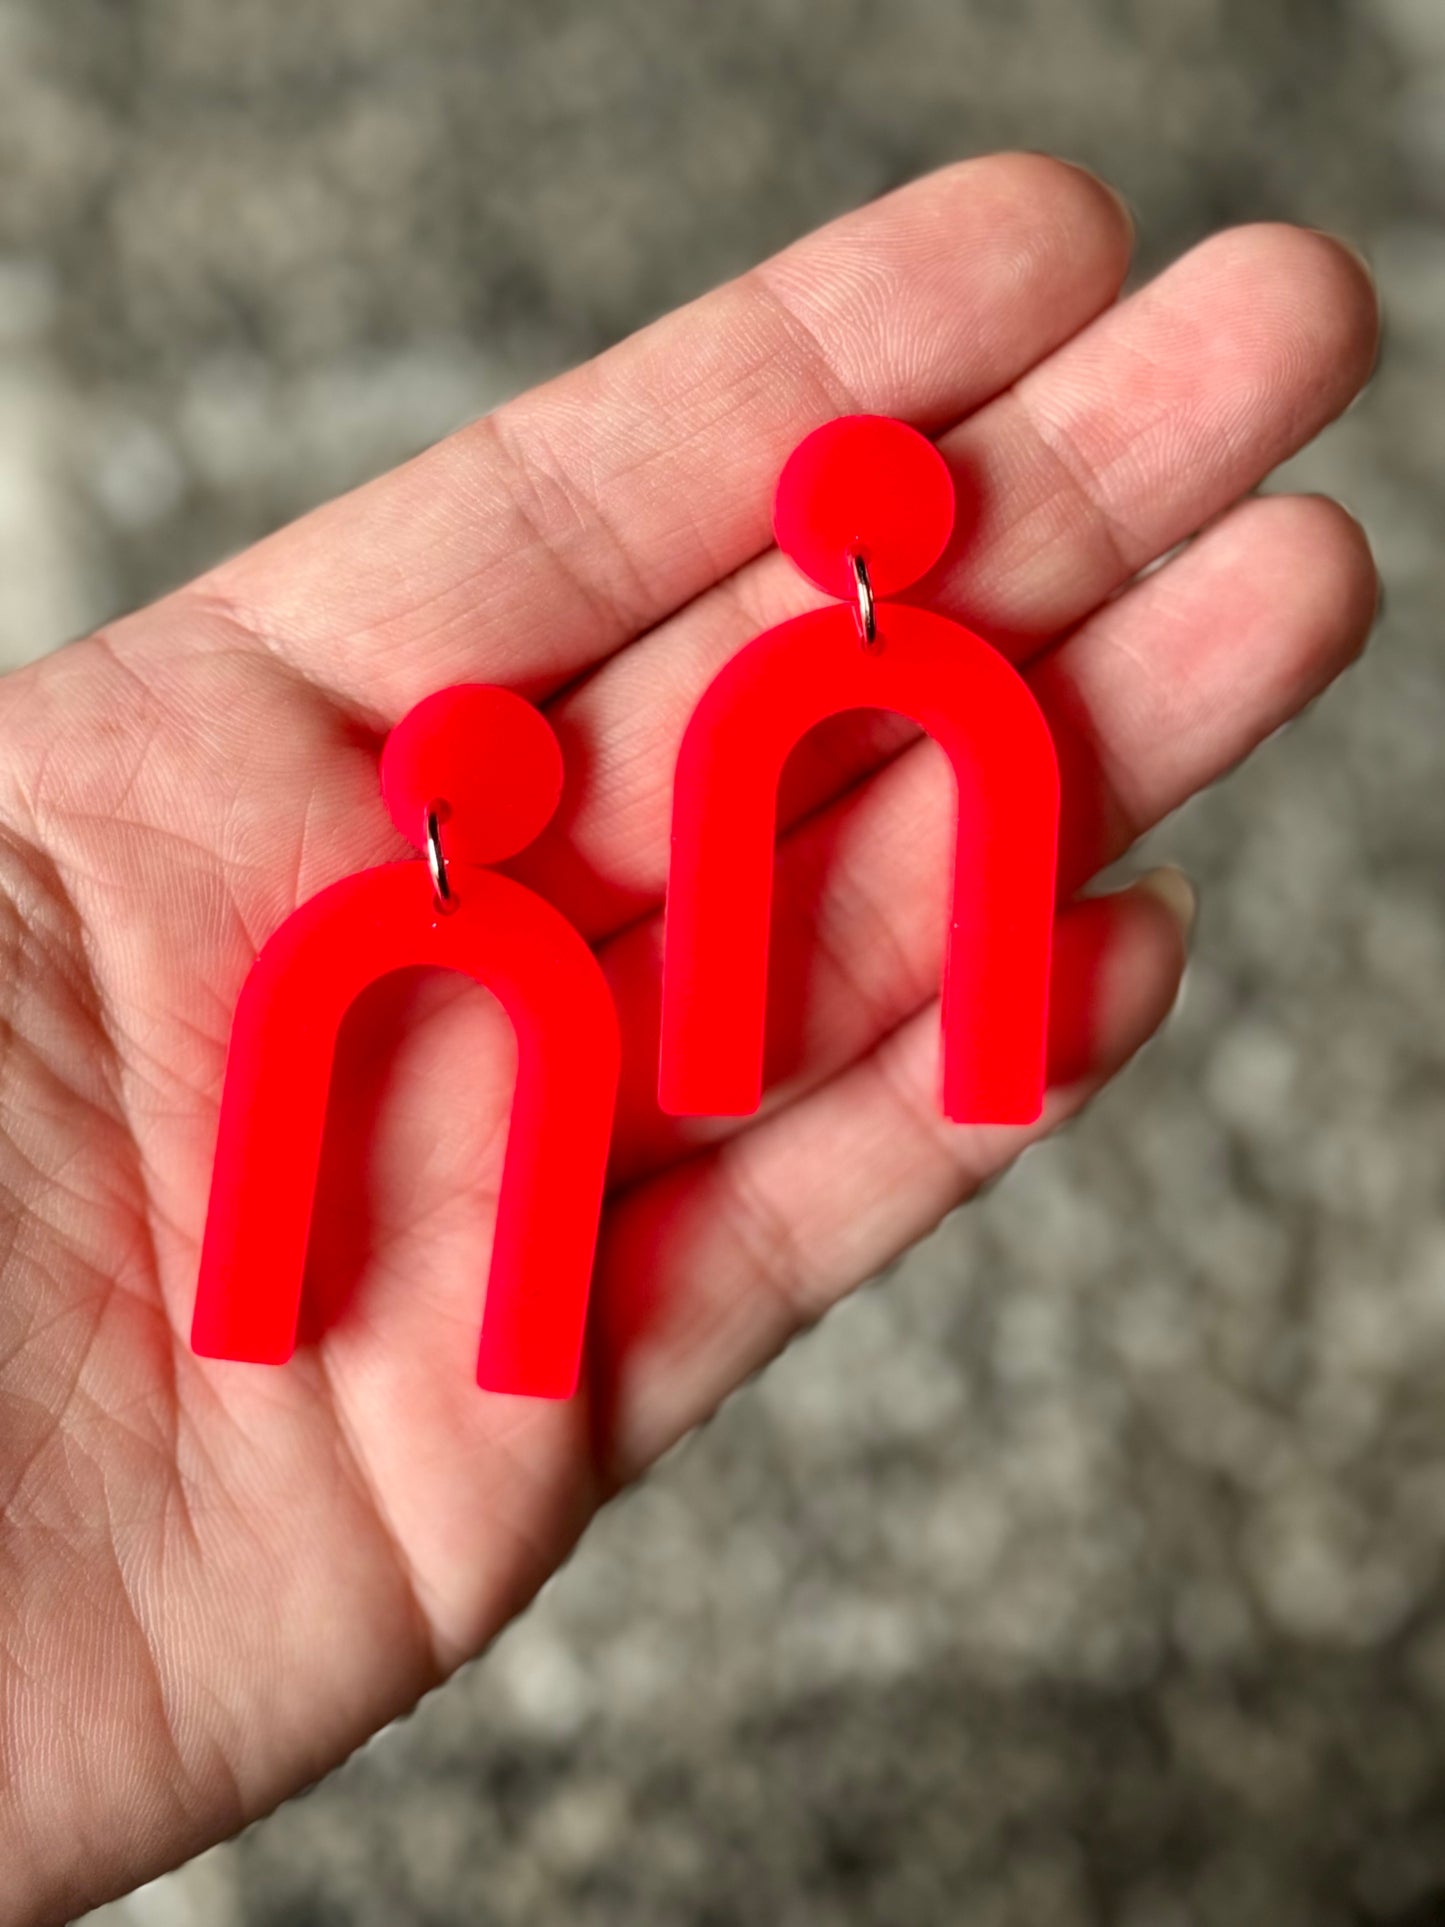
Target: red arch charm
[(277, 1081), (977, 707), (496, 759)]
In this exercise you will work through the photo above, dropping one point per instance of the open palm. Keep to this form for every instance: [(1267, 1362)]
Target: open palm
[(216, 1579)]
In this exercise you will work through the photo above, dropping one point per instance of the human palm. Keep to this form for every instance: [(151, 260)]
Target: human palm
[(216, 1579)]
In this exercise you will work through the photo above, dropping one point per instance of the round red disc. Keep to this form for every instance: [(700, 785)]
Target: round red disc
[(864, 485), (484, 753)]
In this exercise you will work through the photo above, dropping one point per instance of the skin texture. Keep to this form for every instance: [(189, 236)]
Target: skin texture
[(216, 1580)]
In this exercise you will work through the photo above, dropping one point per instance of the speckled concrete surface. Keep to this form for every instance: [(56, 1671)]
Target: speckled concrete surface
[(1089, 1569)]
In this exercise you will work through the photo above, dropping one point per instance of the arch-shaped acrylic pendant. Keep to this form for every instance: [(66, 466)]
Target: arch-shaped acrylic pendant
[(864, 507), (471, 775)]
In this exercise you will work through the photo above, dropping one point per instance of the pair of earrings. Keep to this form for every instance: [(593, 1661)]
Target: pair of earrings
[(472, 775)]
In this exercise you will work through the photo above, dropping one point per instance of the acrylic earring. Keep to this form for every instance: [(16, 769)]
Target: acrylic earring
[(864, 507), (471, 775)]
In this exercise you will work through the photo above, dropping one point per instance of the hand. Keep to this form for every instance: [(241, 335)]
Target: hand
[(215, 1580)]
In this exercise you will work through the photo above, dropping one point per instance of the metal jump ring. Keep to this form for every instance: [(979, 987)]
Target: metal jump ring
[(436, 858), (867, 615)]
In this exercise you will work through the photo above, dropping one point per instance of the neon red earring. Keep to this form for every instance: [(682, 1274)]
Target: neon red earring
[(864, 508), (471, 775)]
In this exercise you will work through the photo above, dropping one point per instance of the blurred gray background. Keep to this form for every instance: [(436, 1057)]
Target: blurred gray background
[(1089, 1569)]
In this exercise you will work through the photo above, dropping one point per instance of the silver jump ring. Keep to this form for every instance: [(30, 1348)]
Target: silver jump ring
[(436, 858), (867, 614)]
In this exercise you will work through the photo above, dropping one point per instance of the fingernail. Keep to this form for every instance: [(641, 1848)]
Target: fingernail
[(1080, 167), (1175, 892), (1350, 247), (1131, 219)]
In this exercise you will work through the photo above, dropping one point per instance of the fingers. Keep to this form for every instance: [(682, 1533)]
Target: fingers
[(706, 1272), (1160, 693), (1174, 683), (1121, 444), (1155, 420), (551, 532)]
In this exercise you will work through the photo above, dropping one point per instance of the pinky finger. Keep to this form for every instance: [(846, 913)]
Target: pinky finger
[(708, 1270)]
